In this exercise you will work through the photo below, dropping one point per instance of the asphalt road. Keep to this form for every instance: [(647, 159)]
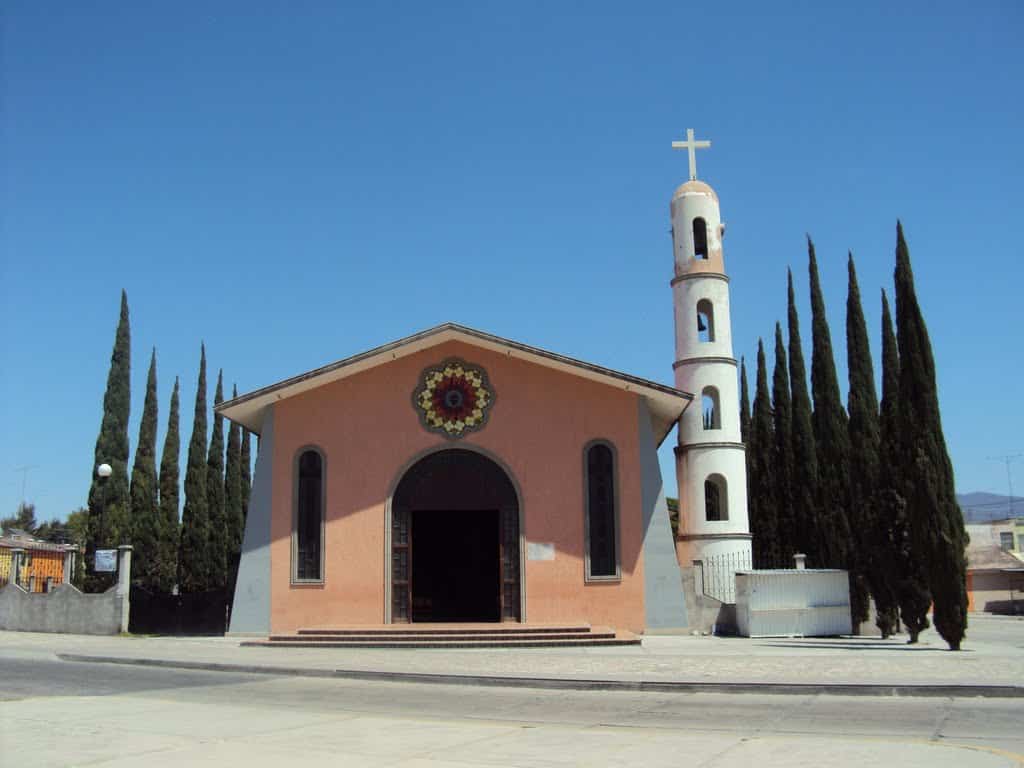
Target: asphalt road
[(55, 713)]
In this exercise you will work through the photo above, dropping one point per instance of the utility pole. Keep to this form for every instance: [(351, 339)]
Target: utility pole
[(24, 478), (1008, 459)]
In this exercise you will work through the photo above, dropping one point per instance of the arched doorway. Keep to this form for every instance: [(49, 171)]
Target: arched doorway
[(455, 541)]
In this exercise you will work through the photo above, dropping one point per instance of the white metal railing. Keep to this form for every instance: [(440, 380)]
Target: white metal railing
[(718, 574)]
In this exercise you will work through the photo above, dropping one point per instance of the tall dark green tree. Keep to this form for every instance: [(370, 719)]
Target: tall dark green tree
[(782, 433), (233, 496), (804, 488), (865, 443), (745, 438), (889, 413), (215, 495), (744, 403), (109, 500), (903, 571), (764, 522), (246, 475), (167, 551), (194, 555), (832, 441), (146, 522), (936, 522)]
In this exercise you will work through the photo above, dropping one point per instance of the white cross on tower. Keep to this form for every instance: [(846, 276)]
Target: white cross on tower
[(691, 145)]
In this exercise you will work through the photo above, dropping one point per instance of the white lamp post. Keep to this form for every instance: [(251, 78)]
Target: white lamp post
[(103, 471)]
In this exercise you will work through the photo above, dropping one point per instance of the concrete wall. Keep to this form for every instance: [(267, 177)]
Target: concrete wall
[(705, 615), (250, 611), (664, 604), (64, 609), (786, 603), (995, 592)]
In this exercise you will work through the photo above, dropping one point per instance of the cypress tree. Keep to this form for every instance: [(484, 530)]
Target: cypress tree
[(805, 460), (764, 524), (233, 496), (745, 437), (744, 404), (865, 442), (218, 543), (167, 551), (936, 523), (903, 569), (146, 522), (109, 501), (246, 475), (832, 441), (888, 420), (782, 427), (193, 558)]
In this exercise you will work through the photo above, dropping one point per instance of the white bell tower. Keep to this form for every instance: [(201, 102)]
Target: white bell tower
[(710, 458)]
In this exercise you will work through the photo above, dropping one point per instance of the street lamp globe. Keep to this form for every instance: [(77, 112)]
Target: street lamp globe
[(104, 470)]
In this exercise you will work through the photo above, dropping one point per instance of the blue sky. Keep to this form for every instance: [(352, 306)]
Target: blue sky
[(294, 183)]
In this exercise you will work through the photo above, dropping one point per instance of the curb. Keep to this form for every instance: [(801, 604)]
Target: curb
[(571, 684)]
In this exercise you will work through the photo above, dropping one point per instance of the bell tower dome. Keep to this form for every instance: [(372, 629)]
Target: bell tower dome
[(710, 457)]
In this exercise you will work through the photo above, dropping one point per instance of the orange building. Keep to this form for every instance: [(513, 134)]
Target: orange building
[(457, 476), (41, 562)]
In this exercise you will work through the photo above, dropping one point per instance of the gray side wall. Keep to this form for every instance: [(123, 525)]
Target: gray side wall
[(664, 604), (63, 609), (250, 613)]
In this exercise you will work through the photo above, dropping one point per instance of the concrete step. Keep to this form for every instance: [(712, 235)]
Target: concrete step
[(413, 637), (296, 642), (401, 630)]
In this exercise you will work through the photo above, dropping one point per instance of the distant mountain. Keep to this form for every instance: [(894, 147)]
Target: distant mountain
[(980, 507)]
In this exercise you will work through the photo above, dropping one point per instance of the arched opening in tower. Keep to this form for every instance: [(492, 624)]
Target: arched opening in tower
[(715, 499), (710, 409), (700, 238), (705, 321)]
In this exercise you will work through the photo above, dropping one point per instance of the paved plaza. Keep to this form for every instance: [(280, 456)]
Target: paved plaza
[(993, 655), (61, 713)]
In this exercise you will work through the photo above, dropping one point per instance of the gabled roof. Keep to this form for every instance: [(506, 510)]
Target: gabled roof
[(665, 403)]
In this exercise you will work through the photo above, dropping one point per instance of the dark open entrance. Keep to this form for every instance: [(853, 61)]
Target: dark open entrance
[(455, 541), (455, 574)]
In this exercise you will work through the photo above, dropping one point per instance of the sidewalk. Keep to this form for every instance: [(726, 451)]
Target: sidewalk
[(992, 662)]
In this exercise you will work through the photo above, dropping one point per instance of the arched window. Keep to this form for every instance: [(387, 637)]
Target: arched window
[(308, 520), (700, 238), (602, 518), (716, 498), (710, 411), (705, 321)]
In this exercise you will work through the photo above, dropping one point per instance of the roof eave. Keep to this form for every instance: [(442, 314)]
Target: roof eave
[(248, 409)]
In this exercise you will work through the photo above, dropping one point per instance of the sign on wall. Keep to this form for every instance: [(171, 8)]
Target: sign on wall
[(538, 550), (106, 561)]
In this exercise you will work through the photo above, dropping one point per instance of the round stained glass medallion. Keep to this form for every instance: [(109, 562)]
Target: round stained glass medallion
[(453, 398)]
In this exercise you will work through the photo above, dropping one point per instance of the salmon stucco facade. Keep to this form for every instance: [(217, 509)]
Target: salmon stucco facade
[(547, 507)]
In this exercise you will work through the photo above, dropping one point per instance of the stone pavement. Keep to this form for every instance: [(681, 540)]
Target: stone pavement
[(992, 660)]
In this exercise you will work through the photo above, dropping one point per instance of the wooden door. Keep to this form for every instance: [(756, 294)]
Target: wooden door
[(401, 566)]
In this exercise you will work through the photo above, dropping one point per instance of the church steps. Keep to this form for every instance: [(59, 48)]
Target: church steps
[(450, 629), (411, 638), (453, 636), (434, 643)]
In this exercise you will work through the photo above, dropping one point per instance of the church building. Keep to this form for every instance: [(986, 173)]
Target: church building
[(455, 476)]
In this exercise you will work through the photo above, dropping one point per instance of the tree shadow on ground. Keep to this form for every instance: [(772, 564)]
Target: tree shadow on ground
[(850, 644)]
